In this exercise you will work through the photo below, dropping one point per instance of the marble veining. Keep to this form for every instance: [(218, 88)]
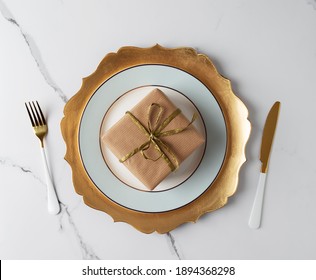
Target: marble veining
[(86, 251), (312, 2), (35, 52), (172, 242), (6, 162)]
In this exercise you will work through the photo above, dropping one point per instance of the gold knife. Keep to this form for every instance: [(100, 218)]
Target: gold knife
[(266, 144)]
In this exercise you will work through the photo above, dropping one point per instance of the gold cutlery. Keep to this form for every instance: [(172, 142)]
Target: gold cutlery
[(266, 145), (40, 129)]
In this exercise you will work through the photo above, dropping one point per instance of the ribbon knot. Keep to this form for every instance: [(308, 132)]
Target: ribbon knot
[(154, 132)]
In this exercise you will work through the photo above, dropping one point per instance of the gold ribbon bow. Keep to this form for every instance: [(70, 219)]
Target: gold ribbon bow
[(154, 133)]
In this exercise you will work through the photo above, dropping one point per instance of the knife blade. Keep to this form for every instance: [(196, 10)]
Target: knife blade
[(266, 145)]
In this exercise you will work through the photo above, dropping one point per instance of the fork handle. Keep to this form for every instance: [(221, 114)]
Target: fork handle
[(52, 200)]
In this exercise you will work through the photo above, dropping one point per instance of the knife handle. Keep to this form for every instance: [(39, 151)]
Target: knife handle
[(255, 216)]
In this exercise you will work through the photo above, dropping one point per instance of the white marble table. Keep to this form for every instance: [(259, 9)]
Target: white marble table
[(266, 48)]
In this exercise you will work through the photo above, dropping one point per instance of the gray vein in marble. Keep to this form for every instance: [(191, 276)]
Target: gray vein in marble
[(219, 21), (9, 163), (34, 52), (172, 243), (87, 253), (312, 2)]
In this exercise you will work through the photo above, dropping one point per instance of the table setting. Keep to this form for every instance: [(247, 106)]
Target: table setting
[(161, 140)]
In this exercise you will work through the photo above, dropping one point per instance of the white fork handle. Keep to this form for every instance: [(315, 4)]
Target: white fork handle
[(53, 204), (255, 216)]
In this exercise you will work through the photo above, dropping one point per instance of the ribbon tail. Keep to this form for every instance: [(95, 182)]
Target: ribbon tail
[(172, 166)]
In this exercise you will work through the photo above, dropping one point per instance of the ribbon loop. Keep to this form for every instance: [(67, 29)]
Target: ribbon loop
[(154, 133)]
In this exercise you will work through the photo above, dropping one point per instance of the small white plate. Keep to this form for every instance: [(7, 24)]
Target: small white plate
[(156, 76)]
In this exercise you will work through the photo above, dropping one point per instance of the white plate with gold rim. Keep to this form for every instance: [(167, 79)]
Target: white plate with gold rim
[(172, 81)]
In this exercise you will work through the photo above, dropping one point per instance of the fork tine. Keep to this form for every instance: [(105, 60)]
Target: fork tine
[(39, 119), (41, 113), (33, 115), (29, 113)]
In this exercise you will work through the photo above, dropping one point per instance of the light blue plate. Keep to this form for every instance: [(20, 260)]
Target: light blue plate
[(105, 96)]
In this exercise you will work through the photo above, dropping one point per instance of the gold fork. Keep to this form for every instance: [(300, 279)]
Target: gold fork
[(40, 129)]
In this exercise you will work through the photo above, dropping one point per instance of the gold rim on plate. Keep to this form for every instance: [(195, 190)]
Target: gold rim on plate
[(237, 126)]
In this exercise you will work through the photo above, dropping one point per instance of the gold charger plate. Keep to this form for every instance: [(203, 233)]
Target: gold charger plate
[(237, 133)]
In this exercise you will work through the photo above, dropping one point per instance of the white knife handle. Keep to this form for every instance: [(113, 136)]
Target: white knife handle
[(255, 216), (52, 201)]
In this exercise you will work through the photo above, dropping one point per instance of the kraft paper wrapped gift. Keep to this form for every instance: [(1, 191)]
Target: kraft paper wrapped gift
[(152, 161)]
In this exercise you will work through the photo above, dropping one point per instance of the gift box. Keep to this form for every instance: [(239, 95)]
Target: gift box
[(153, 138)]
